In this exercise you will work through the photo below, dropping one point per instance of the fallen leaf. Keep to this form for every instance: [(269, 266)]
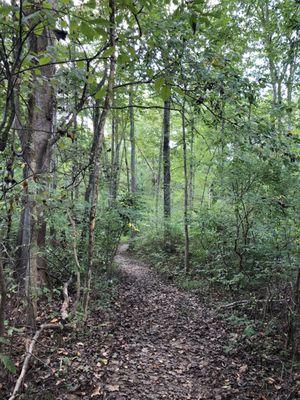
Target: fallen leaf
[(243, 369), (113, 388), (96, 392), (271, 381)]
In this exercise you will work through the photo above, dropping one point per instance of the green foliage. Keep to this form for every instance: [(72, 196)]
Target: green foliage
[(8, 363), (234, 65), (113, 222), (160, 249)]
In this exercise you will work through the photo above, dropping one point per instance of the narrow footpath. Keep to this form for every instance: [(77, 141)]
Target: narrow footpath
[(167, 345)]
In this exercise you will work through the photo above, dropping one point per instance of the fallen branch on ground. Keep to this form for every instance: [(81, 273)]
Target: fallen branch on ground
[(64, 316), (29, 354), (242, 302)]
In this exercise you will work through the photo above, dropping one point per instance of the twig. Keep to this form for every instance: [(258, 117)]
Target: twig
[(65, 304), (29, 354), (241, 302)]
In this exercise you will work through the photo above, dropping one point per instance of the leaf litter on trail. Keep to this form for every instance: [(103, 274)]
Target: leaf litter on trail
[(167, 345), (155, 343)]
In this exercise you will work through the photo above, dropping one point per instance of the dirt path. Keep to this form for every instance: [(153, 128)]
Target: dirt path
[(168, 346)]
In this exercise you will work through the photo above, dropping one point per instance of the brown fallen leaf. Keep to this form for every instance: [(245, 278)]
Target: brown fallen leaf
[(271, 381), (96, 392), (113, 388), (243, 369)]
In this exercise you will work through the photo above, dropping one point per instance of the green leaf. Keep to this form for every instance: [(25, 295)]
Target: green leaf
[(47, 5), (123, 58), (108, 52), (87, 30), (131, 51), (149, 72), (8, 363), (91, 4), (248, 331), (45, 60), (159, 83), (80, 64), (3, 340), (37, 71), (100, 93), (5, 9), (101, 21), (91, 79), (73, 27), (165, 92)]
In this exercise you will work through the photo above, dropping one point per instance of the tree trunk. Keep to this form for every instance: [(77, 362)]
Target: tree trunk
[(192, 172), (37, 153), (92, 189), (186, 195), (158, 180), (132, 146), (166, 161), (2, 299), (113, 152), (115, 158), (126, 165)]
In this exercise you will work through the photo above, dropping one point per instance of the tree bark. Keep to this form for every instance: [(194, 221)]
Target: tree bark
[(192, 160), (132, 146), (186, 195), (158, 180), (2, 299), (126, 165), (166, 161), (37, 154)]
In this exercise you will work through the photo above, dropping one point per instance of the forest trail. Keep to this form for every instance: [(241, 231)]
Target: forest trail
[(167, 345)]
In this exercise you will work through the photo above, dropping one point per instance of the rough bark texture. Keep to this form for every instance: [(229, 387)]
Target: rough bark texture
[(37, 154), (166, 160)]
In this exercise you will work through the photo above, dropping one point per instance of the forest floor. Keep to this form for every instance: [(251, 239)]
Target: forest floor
[(167, 345), (153, 342)]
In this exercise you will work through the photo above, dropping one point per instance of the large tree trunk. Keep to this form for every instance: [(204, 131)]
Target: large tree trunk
[(37, 154), (166, 161)]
